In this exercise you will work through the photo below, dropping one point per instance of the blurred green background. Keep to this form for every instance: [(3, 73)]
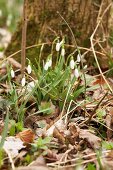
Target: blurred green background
[(10, 11)]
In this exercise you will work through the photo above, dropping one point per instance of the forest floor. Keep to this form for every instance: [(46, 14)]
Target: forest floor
[(57, 117)]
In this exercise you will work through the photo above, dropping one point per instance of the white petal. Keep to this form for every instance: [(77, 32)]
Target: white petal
[(63, 52), (12, 73), (76, 73), (23, 81), (85, 67), (46, 66), (58, 46), (49, 63), (29, 69), (72, 64), (78, 58)]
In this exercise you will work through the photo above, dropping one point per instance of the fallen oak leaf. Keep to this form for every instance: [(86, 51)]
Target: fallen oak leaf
[(92, 139), (26, 136)]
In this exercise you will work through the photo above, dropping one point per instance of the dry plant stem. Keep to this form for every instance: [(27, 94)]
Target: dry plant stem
[(94, 111), (93, 50), (23, 44)]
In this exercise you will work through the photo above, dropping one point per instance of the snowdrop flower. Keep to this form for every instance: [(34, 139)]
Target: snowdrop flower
[(76, 73), (63, 52), (58, 45), (12, 73), (50, 62), (72, 63), (85, 67), (23, 81), (29, 70), (78, 58), (46, 66)]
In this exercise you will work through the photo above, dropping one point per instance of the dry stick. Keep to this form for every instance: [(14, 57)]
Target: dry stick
[(93, 50), (23, 43)]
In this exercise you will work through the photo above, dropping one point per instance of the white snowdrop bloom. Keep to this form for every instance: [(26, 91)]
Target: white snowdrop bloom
[(72, 64), (12, 73), (46, 66), (30, 86), (63, 52), (85, 67), (23, 81), (29, 70), (76, 73), (78, 58), (58, 46), (49, 62)]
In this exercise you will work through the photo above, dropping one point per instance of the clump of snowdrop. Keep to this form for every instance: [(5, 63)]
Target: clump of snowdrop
[(72, 63), (12, 73), (23, 81), (29, 70), (76, 73)]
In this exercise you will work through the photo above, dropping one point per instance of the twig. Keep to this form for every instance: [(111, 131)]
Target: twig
[(23, 43)]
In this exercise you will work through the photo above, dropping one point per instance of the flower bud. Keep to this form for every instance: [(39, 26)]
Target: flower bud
[(29, 69), (76, 73)]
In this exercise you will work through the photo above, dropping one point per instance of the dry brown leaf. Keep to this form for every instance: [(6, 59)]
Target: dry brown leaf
[(26, 136), (93, 140)]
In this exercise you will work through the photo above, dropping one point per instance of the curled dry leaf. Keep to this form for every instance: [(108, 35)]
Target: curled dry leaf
[(26, 136), (93, 140)]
